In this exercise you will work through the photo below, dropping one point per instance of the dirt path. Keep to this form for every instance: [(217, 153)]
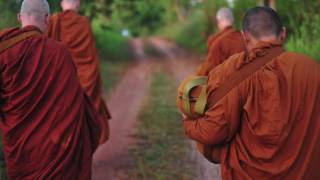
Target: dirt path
[(112, 159), (180, 64)]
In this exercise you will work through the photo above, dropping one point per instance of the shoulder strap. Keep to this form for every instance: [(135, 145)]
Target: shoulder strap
[(245, 72), (15, 40)]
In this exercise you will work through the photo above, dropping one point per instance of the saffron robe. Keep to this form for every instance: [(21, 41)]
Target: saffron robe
[(75, 31), (220, 47), (268, 127), (50, 128)]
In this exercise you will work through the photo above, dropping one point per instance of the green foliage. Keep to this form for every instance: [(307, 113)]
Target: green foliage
[(305, 39), (302, 20), (199, 25), (294, 12), (111, 45), (8, 13), (190, 34), (239, 9), (139, 16), (162, 150)]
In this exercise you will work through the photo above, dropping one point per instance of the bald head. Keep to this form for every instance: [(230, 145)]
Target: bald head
[(262, 22), (224, 18), (34, 12), (70, 5)]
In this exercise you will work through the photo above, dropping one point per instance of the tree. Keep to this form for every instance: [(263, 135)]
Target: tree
[(139, 16)]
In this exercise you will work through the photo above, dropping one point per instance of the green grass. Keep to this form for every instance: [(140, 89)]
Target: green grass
[(111, 73), (162, 151)]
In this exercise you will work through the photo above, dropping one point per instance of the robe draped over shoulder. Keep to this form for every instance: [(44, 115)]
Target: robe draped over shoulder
[(221, 46), (50, 128), (75, 31)]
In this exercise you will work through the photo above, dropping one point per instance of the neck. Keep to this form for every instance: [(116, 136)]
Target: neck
[(25, 24), (225, 26), (70, 9), (254, 42)]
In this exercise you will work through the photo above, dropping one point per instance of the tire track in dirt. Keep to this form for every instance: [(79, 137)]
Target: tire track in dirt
[(112, 159), (180, 65)]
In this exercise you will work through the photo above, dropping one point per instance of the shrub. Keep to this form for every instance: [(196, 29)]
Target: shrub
[(112, 46), (306, 38)]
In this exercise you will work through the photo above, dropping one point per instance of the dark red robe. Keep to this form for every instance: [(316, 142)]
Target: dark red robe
[(74, 30), (49, 127)]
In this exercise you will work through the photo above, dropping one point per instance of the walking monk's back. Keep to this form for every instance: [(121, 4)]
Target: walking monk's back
[(49, 127), (268, 125), (75, 31), (223, 44)]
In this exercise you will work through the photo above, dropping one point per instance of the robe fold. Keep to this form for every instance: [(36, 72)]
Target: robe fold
[(50, 128), (221, 46), (75, 31), (269, 125)]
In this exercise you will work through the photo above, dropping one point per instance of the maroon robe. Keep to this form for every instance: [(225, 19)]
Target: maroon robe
[(49, 127)]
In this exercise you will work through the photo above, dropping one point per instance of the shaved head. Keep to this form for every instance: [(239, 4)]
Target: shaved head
[(262, 22), (224, 18), (225, 14), (34, 13), (70, 5), (36, 7), (71, 1)]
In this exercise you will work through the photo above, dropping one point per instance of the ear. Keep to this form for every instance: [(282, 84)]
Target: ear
[(47, 19), (62, 3), (283, 34), (246, 37), (78, 5), (19, 18)]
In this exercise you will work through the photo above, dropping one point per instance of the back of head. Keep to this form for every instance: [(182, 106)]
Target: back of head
[(35, 12), (262, 22), (70, 5), (225, 14), (35, 7)]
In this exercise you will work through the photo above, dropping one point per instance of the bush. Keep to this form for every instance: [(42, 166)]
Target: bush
[(189, 34), (111, 45), (306, 38), (8, 13)]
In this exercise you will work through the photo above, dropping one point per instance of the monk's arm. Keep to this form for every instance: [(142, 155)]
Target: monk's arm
[(220, 123)]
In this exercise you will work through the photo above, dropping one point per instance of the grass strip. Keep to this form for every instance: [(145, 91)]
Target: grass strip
[(162, 151), (111, 73)]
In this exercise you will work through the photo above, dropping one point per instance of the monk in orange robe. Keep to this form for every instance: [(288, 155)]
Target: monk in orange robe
[(222, 45), (75, 31), (50, 128), (268, 125)]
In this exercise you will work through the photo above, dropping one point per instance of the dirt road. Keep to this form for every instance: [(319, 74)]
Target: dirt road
[(181, 64), (112, 159)]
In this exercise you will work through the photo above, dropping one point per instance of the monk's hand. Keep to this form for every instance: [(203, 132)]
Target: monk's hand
[(183, 116)]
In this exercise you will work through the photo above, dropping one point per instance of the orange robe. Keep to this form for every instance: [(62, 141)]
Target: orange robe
[(220, 47), (269, 125), (75, 31), (49, 127)]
